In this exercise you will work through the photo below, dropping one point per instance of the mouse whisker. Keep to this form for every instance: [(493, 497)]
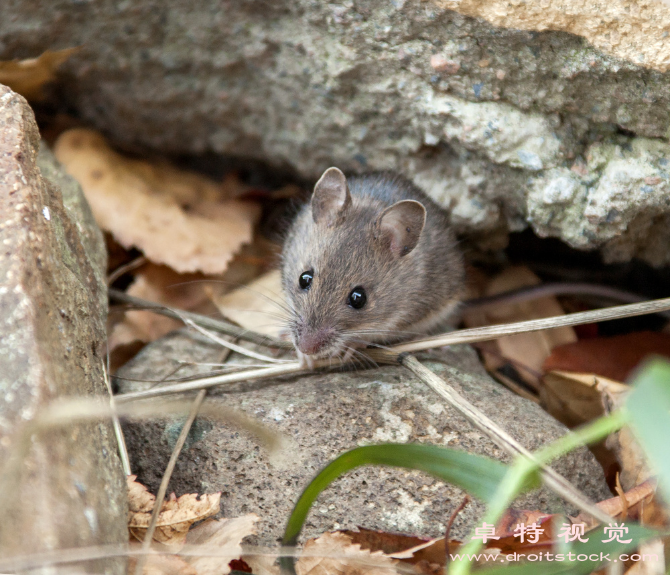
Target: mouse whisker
[(277, 300), (372, 344), (361, 358)]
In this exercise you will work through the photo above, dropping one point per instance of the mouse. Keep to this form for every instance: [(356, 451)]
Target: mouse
[(370, 259)]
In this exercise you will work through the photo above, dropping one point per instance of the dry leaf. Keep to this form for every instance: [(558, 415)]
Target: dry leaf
[(505, 529), (639, 500), (262, 564), (139, 498), (613, 357), (524, 350), (174, 217), (224, 537), (176, 516), (575, 398), (634, 466), (28, 77), (392, 544), (428, 554), (335, 553), (162, 285), (258, 306), (162, 565)]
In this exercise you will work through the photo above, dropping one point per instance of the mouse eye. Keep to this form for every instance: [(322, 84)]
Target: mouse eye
[(306, 279), (357, 298)]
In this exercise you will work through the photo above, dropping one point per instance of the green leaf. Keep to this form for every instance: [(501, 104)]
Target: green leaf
[(475, 474), (594, 547), (648, 408)]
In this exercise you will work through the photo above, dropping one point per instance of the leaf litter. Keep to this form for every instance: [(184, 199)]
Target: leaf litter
[(525, 350), (174, 217), (29, 77), (177, 533), (258, 306), (176, 516), (162, 285)]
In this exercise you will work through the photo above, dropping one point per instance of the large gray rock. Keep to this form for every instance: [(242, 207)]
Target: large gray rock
[(70, 489), (500, 125), (327, 414)]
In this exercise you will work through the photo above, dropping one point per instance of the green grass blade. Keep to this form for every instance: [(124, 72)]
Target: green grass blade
[(475, 474), (648, 408), (594, 547)]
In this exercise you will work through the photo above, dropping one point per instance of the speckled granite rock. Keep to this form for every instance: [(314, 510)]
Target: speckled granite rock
[(635, 30), (491, 121), (53, 306), (327, 414)]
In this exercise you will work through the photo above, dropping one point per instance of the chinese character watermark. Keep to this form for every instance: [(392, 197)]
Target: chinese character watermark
[(532, 532), (572, 532), (485, 533), (616, 532)]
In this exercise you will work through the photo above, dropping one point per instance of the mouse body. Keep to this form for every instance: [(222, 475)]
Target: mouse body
[(370, 259)]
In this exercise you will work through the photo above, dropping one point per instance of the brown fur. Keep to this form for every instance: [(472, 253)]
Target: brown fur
[(407, 294)]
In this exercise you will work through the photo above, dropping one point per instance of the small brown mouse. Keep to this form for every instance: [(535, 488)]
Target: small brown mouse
[(370, 259)]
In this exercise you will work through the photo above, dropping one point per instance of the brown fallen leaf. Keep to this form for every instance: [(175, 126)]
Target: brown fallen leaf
[(223, 537), (428, 555), (612, 357), (575, 398), (28, 77), (634, 465), (262, 564), (258, 306), (177, 218), (392, 544), (162, 285), (162, 565), (526, 351), (176, 516), (637, 505), (335, 553)]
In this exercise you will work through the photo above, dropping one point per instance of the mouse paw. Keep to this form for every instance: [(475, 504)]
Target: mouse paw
[(306, 361)]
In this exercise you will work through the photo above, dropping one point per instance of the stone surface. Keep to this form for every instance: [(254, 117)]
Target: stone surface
[(325, 415), (635, 30), (71, 489), (489, 120)]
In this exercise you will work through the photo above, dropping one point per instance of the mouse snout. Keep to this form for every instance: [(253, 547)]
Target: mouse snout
[(313, 341)]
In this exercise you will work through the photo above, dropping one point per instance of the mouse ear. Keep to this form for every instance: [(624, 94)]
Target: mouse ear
[(331, 198), (400, 225)]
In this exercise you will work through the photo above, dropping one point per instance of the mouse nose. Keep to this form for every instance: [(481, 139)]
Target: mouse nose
[(311, 342)]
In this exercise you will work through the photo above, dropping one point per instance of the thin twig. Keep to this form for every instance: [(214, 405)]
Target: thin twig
[(390, 355), (236, 348), (447, 531), (125, 268), (165, 481), (496, 331), (118, 431), (67, 411), (34, 561), (162, 490), (291, 368), (500, 437), (202, 320)]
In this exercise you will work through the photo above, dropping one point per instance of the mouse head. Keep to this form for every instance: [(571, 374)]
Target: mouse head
[(345, 262)]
